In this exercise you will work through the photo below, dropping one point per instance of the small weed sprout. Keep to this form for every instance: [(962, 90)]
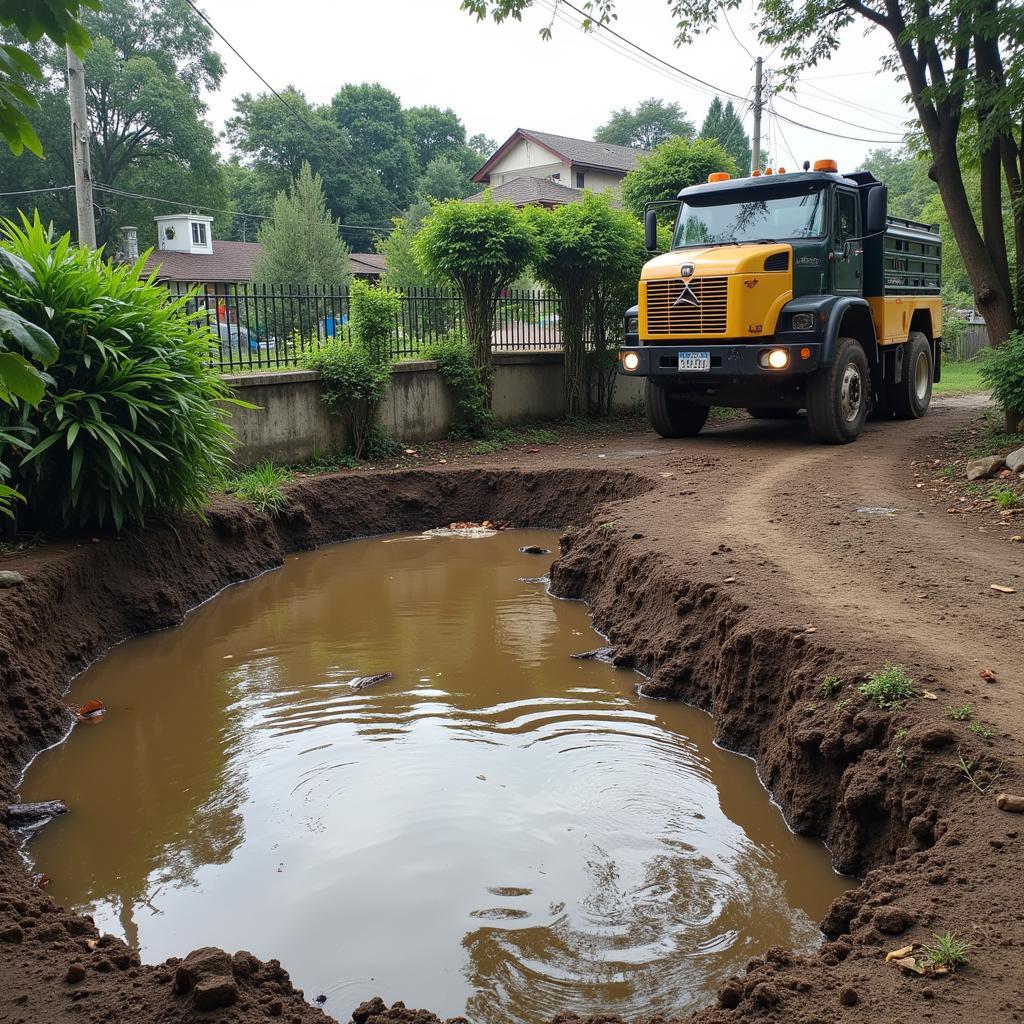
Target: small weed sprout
[(261, 487), (980, 730), (960, 712), (1006, 498), (947, 951), (812, 707), (969, 771), (900, 756), (889, 687), (901, 734), (840, 704), (830, 686), (609, 526)]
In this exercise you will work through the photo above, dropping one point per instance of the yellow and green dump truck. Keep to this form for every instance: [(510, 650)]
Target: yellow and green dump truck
[(787, 291)]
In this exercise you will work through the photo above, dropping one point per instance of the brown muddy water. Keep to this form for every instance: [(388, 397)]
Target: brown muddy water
[(499, 831)]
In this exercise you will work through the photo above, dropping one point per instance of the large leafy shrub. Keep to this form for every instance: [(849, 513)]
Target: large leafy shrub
[(356, 373), (133, 420), (1003, 372)]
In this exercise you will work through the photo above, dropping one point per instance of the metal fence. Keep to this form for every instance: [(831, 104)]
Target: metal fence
[(257, 327)]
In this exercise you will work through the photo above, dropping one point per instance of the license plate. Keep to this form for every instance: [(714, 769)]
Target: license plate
[(694, 361)]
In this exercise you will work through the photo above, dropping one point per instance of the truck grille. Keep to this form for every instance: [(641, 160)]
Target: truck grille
[(665, 316)]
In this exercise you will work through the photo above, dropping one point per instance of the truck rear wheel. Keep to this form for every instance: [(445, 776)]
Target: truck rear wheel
[(912, 396), (671, 414), (837, 395)]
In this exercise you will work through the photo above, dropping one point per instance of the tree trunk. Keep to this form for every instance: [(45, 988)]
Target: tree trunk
[(574, 328), (1014, 421), (479, 301)]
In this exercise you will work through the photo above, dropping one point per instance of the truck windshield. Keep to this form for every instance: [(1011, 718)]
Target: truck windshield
[(707, 220)]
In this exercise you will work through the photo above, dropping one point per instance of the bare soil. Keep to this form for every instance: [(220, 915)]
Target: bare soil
[(738, 571)]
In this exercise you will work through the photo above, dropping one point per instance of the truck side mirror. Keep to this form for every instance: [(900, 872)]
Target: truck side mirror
[(651, 230), (876, 210)]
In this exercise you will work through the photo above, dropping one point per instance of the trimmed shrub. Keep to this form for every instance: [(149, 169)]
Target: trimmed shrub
[(132, 421), (455, 364), (1003, 372)]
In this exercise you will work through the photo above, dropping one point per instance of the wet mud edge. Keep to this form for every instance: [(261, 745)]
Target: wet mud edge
[(922, 840)]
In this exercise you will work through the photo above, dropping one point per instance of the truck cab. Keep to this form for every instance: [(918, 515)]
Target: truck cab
[(782, 292)]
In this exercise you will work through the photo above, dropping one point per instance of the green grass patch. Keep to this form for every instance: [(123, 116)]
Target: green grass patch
[(960, 379), (509, 438), (830, 686), (946, 951), (260, 487), (960, 712), (889, 687)]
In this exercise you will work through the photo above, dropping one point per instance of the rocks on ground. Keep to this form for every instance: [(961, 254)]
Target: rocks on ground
[(983, 469), (9, 579)]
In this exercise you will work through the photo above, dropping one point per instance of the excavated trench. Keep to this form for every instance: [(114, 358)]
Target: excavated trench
[(834, 778)]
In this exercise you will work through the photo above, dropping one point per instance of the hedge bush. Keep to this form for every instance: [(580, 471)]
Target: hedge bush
[(132, 420)]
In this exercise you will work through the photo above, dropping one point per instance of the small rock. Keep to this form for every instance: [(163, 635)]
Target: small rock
[(320, 999), (214, 992), (9, 578), (848, 996), (1015, 460), (25, 814), (276, 1008), (76, 972), (934, 736), (533, 549), (201, 963), (927, 993), (982, 469)]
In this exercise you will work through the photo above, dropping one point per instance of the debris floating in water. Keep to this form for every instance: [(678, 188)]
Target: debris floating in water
[(362, 682), (533, 549), (535, 579), (91, 709), (602, 654), (487, 528)]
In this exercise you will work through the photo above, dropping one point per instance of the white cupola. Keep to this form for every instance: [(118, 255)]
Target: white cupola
[(185, 232)]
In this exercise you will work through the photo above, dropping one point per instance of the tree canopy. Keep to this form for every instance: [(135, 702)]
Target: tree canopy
[(723, 125), (674, 165), (301, 244), (653, 122)]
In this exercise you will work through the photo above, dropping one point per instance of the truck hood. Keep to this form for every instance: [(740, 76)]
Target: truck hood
[(715, 260)]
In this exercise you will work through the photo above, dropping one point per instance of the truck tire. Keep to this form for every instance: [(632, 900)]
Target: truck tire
[(759, 413), (912, 396), (672, 414), (837, 395)]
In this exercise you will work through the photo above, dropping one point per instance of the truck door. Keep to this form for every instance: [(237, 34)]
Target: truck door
[(847, 248)]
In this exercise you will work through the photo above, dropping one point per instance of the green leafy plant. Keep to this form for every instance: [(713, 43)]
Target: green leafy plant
[(354, 385), (1005, 497), (1003, 372), (830, 686), (946, 951), (480, 248), (133, 419), (455, 364), (900, 757), (960, 712), (889, 687), (980, 730), (373, 313), (261, 487)]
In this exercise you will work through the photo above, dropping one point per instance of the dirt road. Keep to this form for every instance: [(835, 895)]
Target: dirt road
[(738, 570)]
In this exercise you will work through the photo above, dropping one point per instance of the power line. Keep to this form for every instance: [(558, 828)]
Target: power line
[(213, 209), (831, 96), (832, 117), (725, 14), (37, 191), (292, 109)]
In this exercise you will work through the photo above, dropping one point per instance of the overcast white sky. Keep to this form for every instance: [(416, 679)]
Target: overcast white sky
[(501, 77)]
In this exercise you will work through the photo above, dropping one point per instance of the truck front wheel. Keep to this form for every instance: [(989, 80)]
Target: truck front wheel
[(912, 396), (671, 414), (837, 395)]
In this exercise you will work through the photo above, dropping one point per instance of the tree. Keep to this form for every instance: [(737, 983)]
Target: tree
[(482, 146), (434, 133), (653, 122), (962, 63), (445, 179), (723, 125), (582, 249), (58, 21), (674, 165), (145, 76), (374, 121), (301, 241), (480, 248)]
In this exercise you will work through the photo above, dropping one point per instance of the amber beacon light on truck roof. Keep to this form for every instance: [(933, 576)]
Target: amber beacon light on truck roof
[(819, 165)]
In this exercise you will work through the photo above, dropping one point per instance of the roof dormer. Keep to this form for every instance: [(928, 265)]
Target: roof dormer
[(185, 232)]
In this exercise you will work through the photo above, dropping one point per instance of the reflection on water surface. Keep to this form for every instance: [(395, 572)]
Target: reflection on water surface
[(499, 830)]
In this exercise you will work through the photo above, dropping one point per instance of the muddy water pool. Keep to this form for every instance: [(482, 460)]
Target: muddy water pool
[(499, 830)]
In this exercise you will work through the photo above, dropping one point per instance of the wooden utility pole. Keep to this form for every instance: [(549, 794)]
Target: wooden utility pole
[(755, 156), (80, 151)]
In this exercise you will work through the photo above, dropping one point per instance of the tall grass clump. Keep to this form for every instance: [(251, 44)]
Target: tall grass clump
[(132, 418)]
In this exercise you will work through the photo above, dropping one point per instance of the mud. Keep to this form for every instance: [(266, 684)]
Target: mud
[(729, 569)]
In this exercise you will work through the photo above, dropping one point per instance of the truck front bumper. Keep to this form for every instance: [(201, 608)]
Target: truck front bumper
[(731, 362)]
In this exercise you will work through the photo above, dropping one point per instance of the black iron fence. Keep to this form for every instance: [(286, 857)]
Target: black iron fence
[(256, 327)]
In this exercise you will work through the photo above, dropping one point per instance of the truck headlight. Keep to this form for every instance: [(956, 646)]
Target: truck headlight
[(632, 325), (803, 321), (774, 359), (630, 361)]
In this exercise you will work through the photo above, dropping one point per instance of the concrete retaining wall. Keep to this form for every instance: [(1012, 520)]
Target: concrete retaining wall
[(291, 422)]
